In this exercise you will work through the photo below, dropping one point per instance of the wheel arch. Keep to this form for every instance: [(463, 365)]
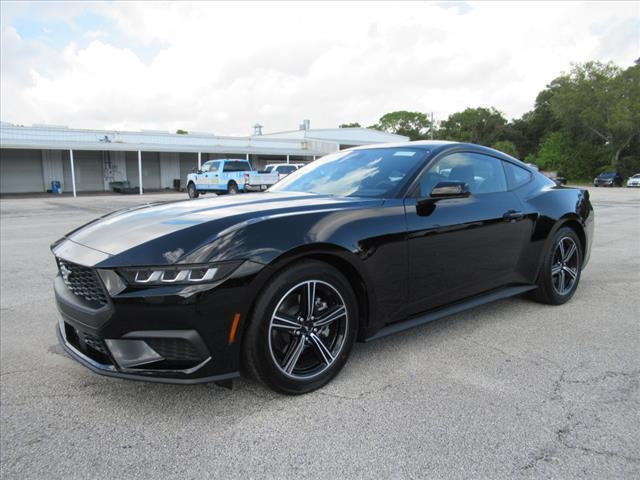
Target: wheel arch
[(577, 227), (571, 221), (338, 257)]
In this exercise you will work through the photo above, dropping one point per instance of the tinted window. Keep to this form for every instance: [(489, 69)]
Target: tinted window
[(516, 176), (286, 169), (269, 169), (236, 166), (372, 173), (607, 174), (482, 173)]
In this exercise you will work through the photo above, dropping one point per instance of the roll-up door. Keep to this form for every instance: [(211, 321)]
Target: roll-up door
[(21, 171), (151, 171), (89, 171)]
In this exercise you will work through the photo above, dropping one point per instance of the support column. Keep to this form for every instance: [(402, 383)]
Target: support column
[(247, 157), (73, 173), (314, 157), (287, 158), (140, 171), (199, 160)]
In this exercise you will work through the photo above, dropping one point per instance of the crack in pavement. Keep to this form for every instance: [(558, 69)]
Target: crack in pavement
[(569, 425)]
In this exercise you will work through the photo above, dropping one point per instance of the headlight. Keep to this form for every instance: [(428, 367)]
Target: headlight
[(112, 281), (178, 274)]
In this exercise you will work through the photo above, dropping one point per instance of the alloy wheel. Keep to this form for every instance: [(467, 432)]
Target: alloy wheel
[(565, 265), (308, 329)]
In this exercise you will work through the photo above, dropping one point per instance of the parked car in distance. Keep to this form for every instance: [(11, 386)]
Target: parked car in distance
[(608, 179), (359, 244), (283, 169), (634, 180), (227, 175), (559, 180)]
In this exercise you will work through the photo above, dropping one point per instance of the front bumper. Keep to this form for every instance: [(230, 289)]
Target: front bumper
[(181, 335), (110, 370)]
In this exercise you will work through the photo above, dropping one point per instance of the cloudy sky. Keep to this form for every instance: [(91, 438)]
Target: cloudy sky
[(220, 68)]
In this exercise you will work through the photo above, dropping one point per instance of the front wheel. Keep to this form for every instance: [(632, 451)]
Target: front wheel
[(302, 330), (191, 190), (560, 272)]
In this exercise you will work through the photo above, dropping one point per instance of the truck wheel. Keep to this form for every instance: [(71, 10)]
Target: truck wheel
[(191, 190), (232, 188)]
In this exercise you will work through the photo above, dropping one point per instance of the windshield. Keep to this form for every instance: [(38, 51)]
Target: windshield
[(371, 173), (607, 174)]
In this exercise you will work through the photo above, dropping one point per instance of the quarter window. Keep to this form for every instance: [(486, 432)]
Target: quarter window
[(482, 173), (516, 176)]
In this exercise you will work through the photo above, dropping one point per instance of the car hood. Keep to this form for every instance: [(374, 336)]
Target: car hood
[(196, 222)]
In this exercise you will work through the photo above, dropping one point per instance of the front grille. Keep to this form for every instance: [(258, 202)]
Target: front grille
[(174, 349), (83, 282)]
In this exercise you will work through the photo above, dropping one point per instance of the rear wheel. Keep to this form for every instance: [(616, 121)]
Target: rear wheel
[(191, 190), (302, 329), (232, 188), (560, 273)]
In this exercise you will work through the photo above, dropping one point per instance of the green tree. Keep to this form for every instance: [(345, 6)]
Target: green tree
[(599, 104), (415, 125), (350, 125), (181, 132), (480, 125), (507, 147), (575, 160), (530, 131)]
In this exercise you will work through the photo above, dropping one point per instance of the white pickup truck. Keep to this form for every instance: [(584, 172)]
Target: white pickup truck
[(228, 175)]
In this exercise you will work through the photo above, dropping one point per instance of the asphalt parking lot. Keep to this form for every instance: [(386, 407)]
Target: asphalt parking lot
[(510, 390)]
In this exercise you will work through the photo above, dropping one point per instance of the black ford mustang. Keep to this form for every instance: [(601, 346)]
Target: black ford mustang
[(279, 285)]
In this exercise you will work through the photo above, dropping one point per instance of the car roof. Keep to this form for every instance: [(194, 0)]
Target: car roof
[(438, 146)]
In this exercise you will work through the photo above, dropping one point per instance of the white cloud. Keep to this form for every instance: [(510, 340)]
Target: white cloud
[(222, 67)]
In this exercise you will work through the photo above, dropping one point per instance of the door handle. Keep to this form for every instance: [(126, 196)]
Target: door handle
[(512, 215)]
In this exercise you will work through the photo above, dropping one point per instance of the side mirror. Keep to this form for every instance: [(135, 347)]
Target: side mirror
[(196, 170), (450, 189)]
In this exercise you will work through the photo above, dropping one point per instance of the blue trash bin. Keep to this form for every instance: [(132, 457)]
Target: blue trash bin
[(56, 187)]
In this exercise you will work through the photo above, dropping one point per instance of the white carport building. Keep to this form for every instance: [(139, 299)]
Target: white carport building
[(90, 160)]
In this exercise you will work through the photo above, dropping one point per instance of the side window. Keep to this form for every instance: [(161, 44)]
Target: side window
[(482, 173), (215, 166), (236, 166), (206, 167), (516, 176), (286, 169)]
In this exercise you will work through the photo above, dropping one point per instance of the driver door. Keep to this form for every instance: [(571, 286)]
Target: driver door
[(460, 247), (202, 180)]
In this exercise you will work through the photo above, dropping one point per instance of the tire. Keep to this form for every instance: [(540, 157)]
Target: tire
[(283, 353), (191, 190), (560, 275), (232, 188)]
